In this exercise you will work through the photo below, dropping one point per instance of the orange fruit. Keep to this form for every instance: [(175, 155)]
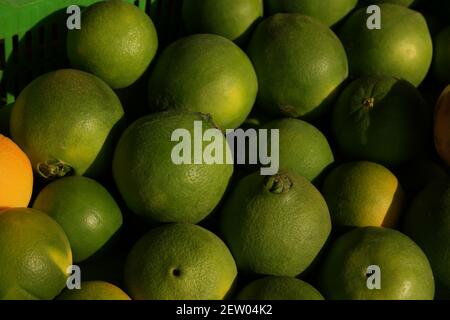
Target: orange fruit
[(16, 175)]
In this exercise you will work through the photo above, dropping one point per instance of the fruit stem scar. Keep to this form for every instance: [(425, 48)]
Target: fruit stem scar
[(53, 169), (368, 102), (278, 184)]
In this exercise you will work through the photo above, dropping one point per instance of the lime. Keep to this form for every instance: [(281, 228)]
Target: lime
[(85, 210), (180, 262), (361, 194), (381, 119), (205, 73), (300, 65), (402, 48), (303, 149), (275, 225), (403, 269), (116, 42), (34, 255), (66, 121), (153, 185)]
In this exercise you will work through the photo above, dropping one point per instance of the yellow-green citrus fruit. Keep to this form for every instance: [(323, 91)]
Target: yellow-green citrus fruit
[(300, 65), (205, 73), (66, 121), (34, 255), (86, 211), (303, 149), (401, 48), (404, 270), (232, 19), (362, 194), (116, 42), (279, 288), (275, 225), (94, 290), (180, 262), (153, 185)]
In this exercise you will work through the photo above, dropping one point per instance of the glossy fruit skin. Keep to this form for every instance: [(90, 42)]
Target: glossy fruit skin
[(16, 175), (402, 48), (180, 262), (441, 62), (152, 185), (34, 255), (428, 223), (86, 211), (329, 12), (94, 290), (117, 42), (205, 73), (67, 121), (300, 65), (405, 271), (232, 19), (279, 288), (275, 225), (361, 194), (381, 119), (441, 127), (303, 149)]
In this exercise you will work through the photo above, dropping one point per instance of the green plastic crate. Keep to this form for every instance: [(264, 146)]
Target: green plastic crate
[(33, 32)]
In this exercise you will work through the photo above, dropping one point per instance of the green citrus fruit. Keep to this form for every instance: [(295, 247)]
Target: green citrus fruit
[(116, 42), (361, 194), (300, 65), (303, 149), (153, 185), (232, 19), (401, 48), (94, 290), (404, 271), (84, 209), (441, 62), (275, 225), (66, 122), (180, 261), (381, 119), (34, 255), (279, 288), (428, 223), (329, 12), (205, 73)]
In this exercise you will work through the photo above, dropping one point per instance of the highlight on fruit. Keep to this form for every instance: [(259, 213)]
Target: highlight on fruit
[(233, 150)]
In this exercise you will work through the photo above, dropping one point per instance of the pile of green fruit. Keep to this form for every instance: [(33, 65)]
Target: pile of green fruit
[(360, 206)]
